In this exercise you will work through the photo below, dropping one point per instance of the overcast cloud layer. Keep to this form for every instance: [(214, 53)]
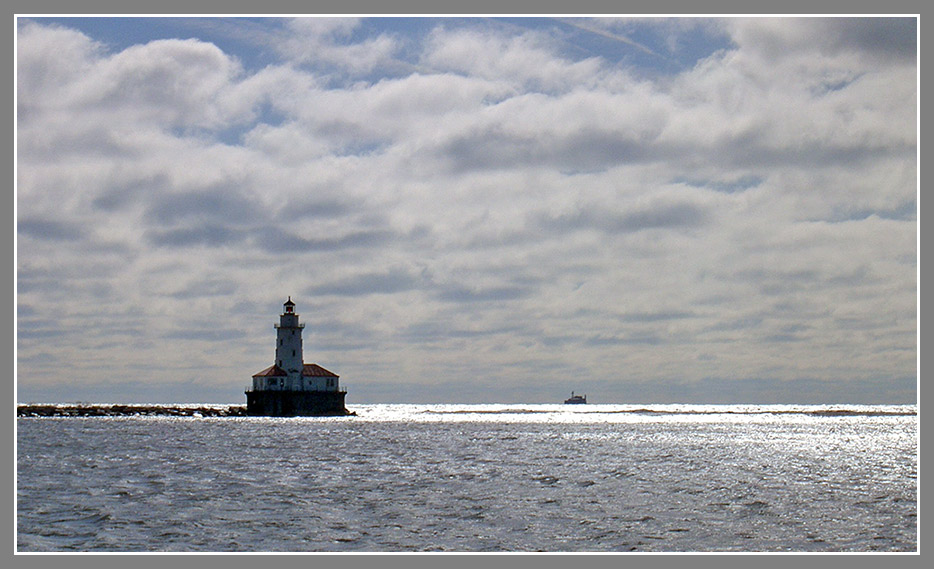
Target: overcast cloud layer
[(644, 210)]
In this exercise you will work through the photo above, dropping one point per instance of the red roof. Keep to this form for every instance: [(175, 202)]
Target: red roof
[(314, 370), (309, 370), (271, 371)]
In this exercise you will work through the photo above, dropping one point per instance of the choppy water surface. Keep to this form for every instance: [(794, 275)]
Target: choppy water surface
[(475, 478)]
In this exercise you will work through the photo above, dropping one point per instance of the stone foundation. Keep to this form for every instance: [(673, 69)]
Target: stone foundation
[(295, 403)]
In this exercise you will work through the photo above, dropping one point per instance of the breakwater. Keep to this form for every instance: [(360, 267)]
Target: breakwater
[(117, 410)]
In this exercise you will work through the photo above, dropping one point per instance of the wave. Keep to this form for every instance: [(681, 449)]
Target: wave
[(464, 410), (650, 411)]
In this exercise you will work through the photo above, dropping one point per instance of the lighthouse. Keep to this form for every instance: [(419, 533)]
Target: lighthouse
[(290, 387)]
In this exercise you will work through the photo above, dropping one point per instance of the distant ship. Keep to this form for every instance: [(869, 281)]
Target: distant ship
[(576, 399)]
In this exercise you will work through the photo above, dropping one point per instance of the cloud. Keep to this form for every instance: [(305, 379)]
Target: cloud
[(493, 294), (276, 241), (176, 83), (526, 61), (304, 208), (329, 42), (656, 316), (212, 236), (742, 183), (49, 57), (203, 205), (777, 38), (662, 216), (47, 229), (206, 335), (394, 280), (465, 198)]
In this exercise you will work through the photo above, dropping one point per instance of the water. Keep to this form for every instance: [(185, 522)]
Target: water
[(475, 478)]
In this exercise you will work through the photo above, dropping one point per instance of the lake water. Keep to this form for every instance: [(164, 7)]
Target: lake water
[(612, 478)]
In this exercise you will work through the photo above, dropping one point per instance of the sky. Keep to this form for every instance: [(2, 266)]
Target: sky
[(469, 210)]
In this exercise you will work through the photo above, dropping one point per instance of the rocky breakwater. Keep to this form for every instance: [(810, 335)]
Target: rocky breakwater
[(94, 410)]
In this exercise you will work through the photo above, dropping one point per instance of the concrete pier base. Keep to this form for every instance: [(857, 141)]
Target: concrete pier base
[(295, 403)]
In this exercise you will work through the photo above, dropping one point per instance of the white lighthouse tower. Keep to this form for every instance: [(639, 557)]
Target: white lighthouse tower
[(289, 345)]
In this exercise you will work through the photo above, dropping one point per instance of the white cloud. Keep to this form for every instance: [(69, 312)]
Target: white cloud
[(47, 58), (775, 39), (172, 83), (329, 42), (501, 207), (523, 61)]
